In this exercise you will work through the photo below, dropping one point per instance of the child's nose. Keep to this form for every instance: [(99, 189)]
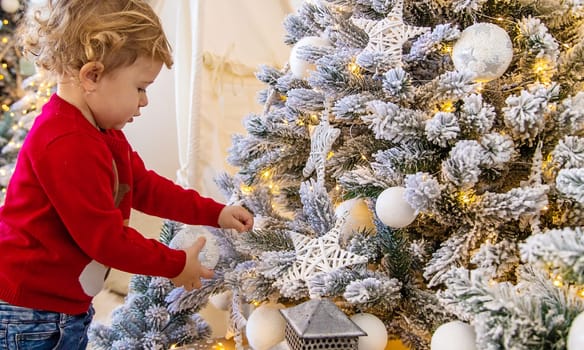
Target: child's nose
[(143, 100)]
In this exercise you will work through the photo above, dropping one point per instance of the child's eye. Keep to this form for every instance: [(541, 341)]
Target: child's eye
[(142, 90)]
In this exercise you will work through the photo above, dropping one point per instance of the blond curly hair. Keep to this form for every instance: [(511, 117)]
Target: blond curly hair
[(66, 34)]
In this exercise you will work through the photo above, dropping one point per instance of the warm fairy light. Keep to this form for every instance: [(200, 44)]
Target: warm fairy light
[(300, 122), (540, 66), (581, 293), (4, 65), (314, 119), (246, 189), (363, 157), (330, 155), (558, 281), (1, 76), (446, 49), (266, 174), (5, 108), (219, 346), (274, 189), (4, 40), (5, 22), (173, 346), (447, 106), (543, 70), (354, 68), (467, 197)]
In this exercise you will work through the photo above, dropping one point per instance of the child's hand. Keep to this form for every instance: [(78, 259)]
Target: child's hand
[(236, 217), (190, 277)]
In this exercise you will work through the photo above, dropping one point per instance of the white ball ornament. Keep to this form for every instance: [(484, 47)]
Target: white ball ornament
[(10, 6), (265, 326), (392, 208), (357, 217), (376, 338), (485, 49), (186, 237), (221, 301), (300, 68), (455, 335), (576, 333)]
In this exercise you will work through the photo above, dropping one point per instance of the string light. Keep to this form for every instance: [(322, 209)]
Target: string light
[(446, 49), (246, 189), (467, 197), (558, 281), (543, 70), (266, 174), (447, 106), (354, 68), (314, 119)]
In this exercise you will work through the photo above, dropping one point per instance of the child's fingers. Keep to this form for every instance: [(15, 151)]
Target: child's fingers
[(238, 225), (206, 273), (198, 245)]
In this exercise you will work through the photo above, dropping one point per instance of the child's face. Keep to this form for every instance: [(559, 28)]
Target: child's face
[(120, 94)]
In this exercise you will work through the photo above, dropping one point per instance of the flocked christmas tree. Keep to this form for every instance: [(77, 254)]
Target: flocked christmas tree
[(145, 320), (420, 162), (22, 91)]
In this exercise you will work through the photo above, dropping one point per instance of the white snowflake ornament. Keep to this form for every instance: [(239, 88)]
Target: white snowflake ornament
[(320, 254), (388, 36)]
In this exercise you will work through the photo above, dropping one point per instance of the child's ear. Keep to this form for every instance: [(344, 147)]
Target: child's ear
[(90, 74)]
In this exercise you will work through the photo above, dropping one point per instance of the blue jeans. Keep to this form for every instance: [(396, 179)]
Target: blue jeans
[(29, 329)]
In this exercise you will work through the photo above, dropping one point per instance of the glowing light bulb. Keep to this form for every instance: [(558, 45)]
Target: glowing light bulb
[(354, 68), (246, 189)]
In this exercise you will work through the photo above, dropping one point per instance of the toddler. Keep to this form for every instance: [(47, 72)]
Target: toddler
[(64, 222)]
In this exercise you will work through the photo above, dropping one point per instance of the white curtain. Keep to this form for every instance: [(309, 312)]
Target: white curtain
[(187, 72), (218, 46)]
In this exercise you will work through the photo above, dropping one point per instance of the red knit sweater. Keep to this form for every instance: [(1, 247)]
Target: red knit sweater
[(64, 221)]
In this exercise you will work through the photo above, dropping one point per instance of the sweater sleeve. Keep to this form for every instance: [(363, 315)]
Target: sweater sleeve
[(75, 172), (156, 195)]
